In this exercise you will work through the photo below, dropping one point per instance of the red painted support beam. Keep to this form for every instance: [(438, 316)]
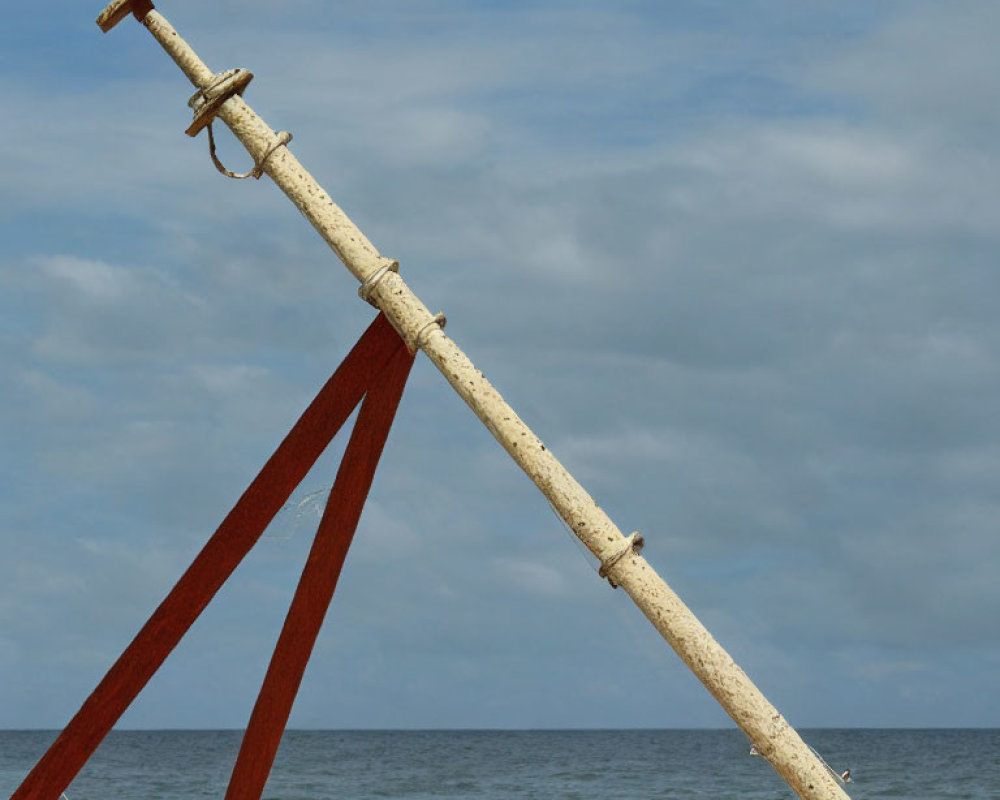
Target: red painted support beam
[(218, 559), (318, 581)]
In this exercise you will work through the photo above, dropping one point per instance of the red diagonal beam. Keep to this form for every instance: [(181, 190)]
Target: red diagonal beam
[(318, 581), (221, 555)]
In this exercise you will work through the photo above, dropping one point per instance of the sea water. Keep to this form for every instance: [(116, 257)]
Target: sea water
[(555, 765)]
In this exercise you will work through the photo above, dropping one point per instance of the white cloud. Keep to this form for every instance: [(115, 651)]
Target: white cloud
[(879, 670), (96, 311), (849, 159), (532, 577), (229, 381), (51, 398), (384, 537), (930, 66), (95, 280)]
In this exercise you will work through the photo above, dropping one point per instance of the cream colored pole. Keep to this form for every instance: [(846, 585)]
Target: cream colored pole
[(774, 738)]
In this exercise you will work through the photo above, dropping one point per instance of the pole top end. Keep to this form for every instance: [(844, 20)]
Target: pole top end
[(117, 10)]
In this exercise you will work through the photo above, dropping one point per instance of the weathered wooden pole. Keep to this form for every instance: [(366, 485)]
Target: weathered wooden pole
[(220, 96)]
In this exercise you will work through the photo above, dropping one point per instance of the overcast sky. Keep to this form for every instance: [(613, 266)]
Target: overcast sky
[(734, 262)]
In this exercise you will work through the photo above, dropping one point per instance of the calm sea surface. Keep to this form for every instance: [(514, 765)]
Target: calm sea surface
[(567, 765)]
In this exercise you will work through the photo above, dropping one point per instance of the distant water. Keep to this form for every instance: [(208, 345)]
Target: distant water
[(495, 765)]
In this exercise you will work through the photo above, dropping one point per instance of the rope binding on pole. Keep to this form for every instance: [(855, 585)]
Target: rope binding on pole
[(414, 340), (437, 322), (368, 284), (633, 544), (206, 103)]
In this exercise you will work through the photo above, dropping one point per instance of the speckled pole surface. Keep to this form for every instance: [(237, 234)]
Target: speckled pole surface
[(774, 738)]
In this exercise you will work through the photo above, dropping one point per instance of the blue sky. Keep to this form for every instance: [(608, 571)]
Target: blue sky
[(734, 263)]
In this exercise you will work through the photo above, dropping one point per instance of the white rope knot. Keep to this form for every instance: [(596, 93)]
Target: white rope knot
[(437, 322), (368, 284), (633, 544)]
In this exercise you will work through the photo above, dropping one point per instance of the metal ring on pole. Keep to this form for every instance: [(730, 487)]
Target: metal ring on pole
[(633, 544), (439, 320), (368, 284)]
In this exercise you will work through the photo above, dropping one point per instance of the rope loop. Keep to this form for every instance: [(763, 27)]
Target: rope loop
[(633, 544), (281, 138)]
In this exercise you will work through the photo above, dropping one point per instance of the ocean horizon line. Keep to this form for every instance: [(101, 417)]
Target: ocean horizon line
[(507, 729)]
